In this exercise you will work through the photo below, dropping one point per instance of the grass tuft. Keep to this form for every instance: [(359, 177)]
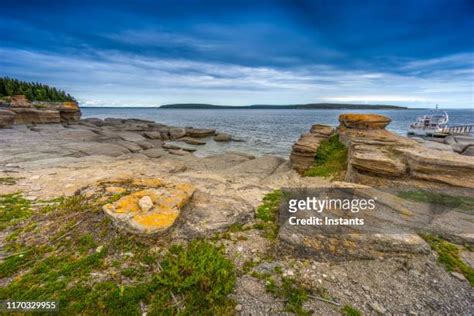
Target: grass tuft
[(348, 310), (448, 255), (267, 213), (330, 160), (294, 294)]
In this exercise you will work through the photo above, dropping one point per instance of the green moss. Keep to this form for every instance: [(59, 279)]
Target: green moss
[(199, 276), (13, 209), (448, 255), (267, 213), (348, 310), (294, 294), (330, 160), (460, 202)]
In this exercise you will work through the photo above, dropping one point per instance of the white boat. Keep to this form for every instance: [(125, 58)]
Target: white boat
[(436, 125)]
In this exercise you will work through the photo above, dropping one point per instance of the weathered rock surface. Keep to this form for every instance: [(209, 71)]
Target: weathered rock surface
[(7, 118), (222, 137), (26, 112), (364, 121), (209, 213), (151, 210), (391, 228), (304, 150), (192, 141), (381, 154), (199, 132)]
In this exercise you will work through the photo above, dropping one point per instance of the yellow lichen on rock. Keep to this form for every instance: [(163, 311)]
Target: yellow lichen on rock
[(168, 199)]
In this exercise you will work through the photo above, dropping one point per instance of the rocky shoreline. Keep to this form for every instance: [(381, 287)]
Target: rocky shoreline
[(139, 162)]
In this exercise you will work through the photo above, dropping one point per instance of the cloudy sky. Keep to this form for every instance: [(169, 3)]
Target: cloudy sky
[(144, 53)]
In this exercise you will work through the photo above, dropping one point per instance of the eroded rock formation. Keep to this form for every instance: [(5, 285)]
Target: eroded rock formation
[(304, 150), (26, 112)]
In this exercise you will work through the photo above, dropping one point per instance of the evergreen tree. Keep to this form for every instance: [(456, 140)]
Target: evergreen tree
[(34, 91)]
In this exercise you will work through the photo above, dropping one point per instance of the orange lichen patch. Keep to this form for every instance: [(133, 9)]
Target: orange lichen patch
[(364, 121), (70, 105), (168, 199), (156, 221)]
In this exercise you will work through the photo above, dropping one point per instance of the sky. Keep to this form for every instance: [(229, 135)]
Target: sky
[(147, 53)]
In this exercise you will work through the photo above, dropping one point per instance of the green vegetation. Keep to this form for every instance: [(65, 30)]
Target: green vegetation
[(461, 202), (8, 180), (448, 255), (66, 251), (13, 208), (32, 90), (267, 213), (331, 159), (292, 292), (348, 310), (195, 281)]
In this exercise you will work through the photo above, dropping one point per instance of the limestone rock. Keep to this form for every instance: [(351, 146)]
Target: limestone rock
[(19, 101), (469, 151), (222, 137), (192, 141), (304, 150), (211, 213), (200, 132), (7, 118), (145, 203), (364, 121), (131, 137), (179, 152), (154, 152), (153, 135), (34, 116), (176, 133), (134, 214), (133, 147)]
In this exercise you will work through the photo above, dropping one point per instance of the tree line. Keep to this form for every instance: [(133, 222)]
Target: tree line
[(33, 91)]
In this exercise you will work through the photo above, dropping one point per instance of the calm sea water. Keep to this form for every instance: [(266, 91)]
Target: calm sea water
[(263, 131)]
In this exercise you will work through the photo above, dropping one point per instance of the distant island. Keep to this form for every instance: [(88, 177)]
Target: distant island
[(309, 106)]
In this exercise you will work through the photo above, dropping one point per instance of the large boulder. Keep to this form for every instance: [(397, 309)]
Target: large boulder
[(176, 133), (222, 137), (152, 208), (364, 121), (7, 118)]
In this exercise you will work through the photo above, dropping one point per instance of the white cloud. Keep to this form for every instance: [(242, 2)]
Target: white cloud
[(113, 78)]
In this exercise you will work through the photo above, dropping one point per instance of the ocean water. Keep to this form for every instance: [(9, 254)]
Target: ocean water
[(262, 131)]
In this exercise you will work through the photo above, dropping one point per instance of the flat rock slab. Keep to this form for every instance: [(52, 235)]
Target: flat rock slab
[(164, 202)]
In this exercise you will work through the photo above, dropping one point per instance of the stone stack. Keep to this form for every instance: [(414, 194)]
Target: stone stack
[(304, 150)]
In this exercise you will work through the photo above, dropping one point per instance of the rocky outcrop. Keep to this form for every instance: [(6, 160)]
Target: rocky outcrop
[(151, 208), (377, 156), (364, 121), (304, 150), (26, 112), (7, 118), (34, 116)]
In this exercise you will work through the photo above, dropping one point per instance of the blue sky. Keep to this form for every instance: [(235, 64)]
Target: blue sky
[(144, 53)]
